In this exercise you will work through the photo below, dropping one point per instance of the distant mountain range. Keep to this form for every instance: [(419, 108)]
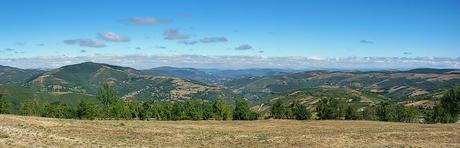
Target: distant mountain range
[(260, 86), (215, 76)]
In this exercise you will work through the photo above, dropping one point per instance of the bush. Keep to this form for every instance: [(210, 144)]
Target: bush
[(30, 107), (278, 111), (242, 111), (330, 109), (221, 110), (351, 113), (4, 105), (370, 113), (86, 110), (300, 111)]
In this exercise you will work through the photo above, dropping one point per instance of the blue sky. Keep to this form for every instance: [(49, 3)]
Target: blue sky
[(316, 29)]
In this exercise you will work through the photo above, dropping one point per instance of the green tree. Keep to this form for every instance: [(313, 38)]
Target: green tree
[(370, 113), (300, 111), (207, 110), (330, 109), (49, 110), (221, 110), (177, 112), (86, 110), (30, 107), (65, 111), (438, 115), (242, 111), (107, 96), (4, 105), (411, 115), (351, 113), (193, 110), (387, 112), (278, 111), (451, 102)]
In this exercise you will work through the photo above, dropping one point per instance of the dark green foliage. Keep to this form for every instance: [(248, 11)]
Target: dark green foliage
[(351, 113), (370, 113), (300, 111), (330, 109), (177, 112), (278, 111), (386, 112), (49, 110), (221, 110), (207, 110), (242, 111), (451, 102), (107, 96), (194, 110), (30, 107), (411, 115), (448, 110), (439, 115), (391, 112), (4, 105), (65, 111), (86, 110)]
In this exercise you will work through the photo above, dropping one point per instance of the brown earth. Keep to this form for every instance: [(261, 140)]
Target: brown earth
[(19, 131)]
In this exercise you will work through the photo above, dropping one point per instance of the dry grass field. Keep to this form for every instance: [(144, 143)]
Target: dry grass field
[(19, 131)]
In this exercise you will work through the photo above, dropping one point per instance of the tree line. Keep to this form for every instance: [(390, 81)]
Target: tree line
[(110, 106)]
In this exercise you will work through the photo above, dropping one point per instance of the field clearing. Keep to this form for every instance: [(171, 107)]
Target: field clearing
[(20, 131)]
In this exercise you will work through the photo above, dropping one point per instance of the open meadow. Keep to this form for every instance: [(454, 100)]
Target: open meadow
[(22, 131)]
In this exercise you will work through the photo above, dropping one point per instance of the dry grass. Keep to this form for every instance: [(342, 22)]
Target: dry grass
[(18, 131)]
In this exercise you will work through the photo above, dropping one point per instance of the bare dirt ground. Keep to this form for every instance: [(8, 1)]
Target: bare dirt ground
[(19, 131)]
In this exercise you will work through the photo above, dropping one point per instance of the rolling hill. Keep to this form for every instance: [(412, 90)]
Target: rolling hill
[(260, 86), (9, 75), (86, 78), (394, 86)]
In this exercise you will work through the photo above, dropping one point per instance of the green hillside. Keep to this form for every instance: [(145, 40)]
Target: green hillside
[(17, 94), (9, 75), (398, 86), (86, 78)]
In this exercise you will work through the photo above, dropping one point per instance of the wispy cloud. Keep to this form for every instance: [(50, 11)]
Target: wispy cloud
[(366, 42), (407, 53), (21, 43), (9, 49), (174, 34), (188, 42), (213, 39), (143, 21), (113, 37), (160, 47), (85, 43), (244, 47)]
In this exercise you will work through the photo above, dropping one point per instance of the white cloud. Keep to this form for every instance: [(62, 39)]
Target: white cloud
[(113, 37), (143, 21), (85, 43), (213, 39), (239, 62), (173, 34), (244, 47)]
